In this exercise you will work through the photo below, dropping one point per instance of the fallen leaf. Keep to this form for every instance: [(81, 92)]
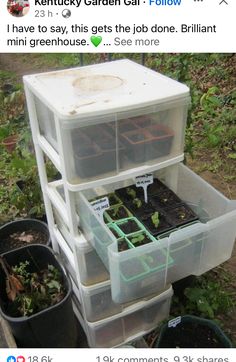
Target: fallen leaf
[(13, 287)]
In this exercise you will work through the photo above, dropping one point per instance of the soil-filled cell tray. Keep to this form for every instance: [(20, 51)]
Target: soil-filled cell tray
[(123, 245), (138, 144), (140, 208), (165, 199), (157, 225), (87, 160), (93, 154), (116, 213), (127, 194), (140, 239), (181, 215), (156, 187), (129, 226), (162, 139), (115, 230)]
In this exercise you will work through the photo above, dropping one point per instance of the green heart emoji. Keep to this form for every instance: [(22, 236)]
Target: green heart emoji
[(96, 40)]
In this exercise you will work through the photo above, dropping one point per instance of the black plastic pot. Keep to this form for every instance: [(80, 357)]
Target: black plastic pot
[(163, 227), (138, 144), (125, 197), (162, 139), (165, 199), (87, 160), (144, 209), (52, 327), (193, 332), (23, 225), (180, 286), (181, 215), (156, 187)]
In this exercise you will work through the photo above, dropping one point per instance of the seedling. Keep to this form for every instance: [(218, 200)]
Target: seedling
[(131, 192), (182, 215), (115, 211), (138, 238), (155, 219), (137, 203)]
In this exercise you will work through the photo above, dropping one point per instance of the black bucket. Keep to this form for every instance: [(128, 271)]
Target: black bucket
[(23, 225), (53, 327), (192, 332)]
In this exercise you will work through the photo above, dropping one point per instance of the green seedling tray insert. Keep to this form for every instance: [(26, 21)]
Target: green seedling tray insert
[(109, 219), (127, 241), (136, 235), (140, 225), (113, 226)]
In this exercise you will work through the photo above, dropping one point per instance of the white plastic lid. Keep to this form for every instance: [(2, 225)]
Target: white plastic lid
[(103, 88)]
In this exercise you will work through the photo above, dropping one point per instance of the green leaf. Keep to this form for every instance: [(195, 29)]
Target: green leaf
[(214, 140), (54, 285), (232, 156)]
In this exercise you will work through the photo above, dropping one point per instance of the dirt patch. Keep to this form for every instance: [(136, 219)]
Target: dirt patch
[(215, 179), (22, 64)]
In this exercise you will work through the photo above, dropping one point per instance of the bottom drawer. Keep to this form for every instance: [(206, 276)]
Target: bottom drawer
[(135, 321), (98, 304)]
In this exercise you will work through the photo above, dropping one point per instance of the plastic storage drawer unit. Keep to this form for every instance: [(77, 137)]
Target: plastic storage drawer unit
[(193, 249), (134, 322), (107, 118)]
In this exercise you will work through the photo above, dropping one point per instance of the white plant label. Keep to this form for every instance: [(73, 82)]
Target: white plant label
[(143, 181), (100, 205), (174, 322)]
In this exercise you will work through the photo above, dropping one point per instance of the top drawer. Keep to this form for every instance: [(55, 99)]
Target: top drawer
[(108, 118)]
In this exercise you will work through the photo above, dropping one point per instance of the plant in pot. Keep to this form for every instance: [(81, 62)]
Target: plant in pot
[(127, 194), (157, 223), (116, 213), (181, 215), (140, 239), (192, 332), (129, 226), (140, 208), (114, 199), (35, 298)]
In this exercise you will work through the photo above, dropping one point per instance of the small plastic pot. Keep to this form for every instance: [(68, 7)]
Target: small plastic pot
[(10, 143)]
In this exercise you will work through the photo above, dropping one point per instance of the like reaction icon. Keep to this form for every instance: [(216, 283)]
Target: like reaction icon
[(11, 359)]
